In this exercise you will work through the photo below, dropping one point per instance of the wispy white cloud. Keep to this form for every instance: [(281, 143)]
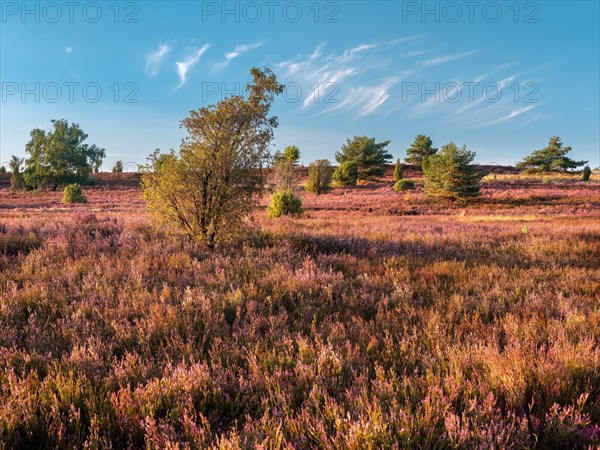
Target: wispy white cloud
[(184, 66), (155, 59), (374, 78), (69, 50), (237, 51), (442, 59), (321, 74), (514, 113)]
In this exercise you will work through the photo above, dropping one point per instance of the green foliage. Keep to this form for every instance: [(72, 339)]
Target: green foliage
[(284, 203), (369, 156), (118, 167), (290, 154), (421, 149), (214, 182), (60, 156), (16, 178), (450, 173), (2, 169), (319, 176), (73, 194), (587, 173), (156, 160), (97, 155), (404, 185), (397, 170), (346, 174), (552, 157)]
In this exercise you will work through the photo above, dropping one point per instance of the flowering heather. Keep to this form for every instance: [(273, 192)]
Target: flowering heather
[(377, 319)]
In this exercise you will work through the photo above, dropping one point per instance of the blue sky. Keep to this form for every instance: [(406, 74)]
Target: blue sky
[(501, 77)]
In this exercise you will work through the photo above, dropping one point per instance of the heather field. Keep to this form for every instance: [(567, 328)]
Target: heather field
[(377, 319)]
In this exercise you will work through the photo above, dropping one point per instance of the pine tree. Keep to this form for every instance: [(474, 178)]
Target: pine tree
[(370, 156), (420, 150), (451, 174), (552, 157)]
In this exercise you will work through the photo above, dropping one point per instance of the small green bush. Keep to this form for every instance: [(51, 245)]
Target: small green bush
[(284, 203), (73, 194), (319, 176), (397, 170), (587, 172), (404, 185), (346, 174)]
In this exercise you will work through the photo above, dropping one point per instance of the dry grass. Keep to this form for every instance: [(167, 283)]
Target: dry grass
[(376, 320)]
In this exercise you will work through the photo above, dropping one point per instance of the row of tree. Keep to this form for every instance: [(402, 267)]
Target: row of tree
[(61, 156), (214, 181)]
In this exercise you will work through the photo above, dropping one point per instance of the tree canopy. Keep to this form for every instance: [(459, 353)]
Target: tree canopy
[(451, 173), (290, 154), (60, 156), (213, 182), (421, 149), (552, 157), (370, 156)]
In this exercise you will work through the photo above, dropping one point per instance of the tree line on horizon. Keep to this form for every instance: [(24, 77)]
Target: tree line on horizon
[(212, 183)]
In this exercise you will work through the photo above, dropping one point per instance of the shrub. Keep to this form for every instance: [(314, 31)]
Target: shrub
[(587, 172), (2, 169), (397, 171), (16, 179), (319, 176), (346, 174), (451, 174), (284, 203), (73, 194), (215, 181), (118, 167), (284, 174), (404, 185)]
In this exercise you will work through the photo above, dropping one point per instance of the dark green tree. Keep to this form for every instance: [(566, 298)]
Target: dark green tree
[(59, 156), (16, 178), (421, 149), (552, 157), (451, 173), (370, 156), (587, 173), (346, 174), (397, 170)]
